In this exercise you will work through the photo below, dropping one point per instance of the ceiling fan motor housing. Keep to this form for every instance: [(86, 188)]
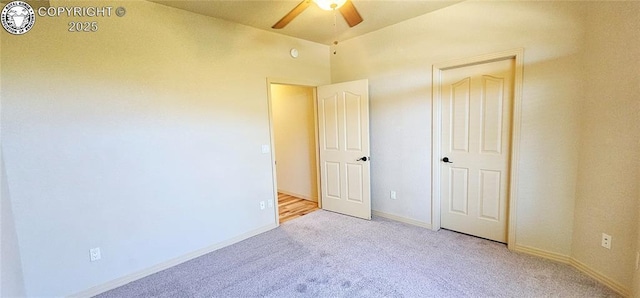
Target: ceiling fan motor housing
[(346, 7)]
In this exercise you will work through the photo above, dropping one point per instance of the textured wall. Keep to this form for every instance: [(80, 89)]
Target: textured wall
[(295, 140), (579, 139), (143, 139), (11, 281), (609, 172), (398, 62)]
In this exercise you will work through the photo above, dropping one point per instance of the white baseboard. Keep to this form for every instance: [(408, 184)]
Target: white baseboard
[(297, 195), (93, 291), (620, 289), (613, 285), (542, 253), (401, 219)]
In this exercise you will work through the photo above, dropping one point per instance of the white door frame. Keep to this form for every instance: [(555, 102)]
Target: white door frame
[(436, 142), (272, 139)]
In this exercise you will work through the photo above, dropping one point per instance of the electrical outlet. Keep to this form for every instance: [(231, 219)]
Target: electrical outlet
[(262, 205), (606, 241), (94, 254), (270, 202), (392, 195)]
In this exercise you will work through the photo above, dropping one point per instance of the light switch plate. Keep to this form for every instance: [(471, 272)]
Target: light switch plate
[(266, 149)]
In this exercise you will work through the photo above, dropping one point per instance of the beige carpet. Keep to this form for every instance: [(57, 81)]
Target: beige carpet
[(324, 254)]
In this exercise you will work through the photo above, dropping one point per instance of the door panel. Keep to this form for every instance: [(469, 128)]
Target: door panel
[(354, 182), (459, 190), (332, 180), (460, 96), (343, 127), (492, 98), (476, 131), (353, 121), (490, 182), (329, 118)]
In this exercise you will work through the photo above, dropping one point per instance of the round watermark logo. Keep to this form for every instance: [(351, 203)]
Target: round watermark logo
[(17, 17)]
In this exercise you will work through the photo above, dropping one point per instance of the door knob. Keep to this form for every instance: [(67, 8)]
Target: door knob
[(364, 158), (446, 160)]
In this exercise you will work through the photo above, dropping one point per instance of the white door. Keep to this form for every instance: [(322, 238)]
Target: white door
[(476, 139), (343, 127)]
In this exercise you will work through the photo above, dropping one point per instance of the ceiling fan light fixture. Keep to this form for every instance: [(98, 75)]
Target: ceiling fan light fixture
[(329, 4)]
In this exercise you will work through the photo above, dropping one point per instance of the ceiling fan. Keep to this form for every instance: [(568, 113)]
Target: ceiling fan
[(348, 11)]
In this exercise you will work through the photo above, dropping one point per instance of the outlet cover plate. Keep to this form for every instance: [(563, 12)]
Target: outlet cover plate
[(94, 254), (606, 241)]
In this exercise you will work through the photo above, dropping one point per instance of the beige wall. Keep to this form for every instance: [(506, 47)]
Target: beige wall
[(609, 165), (11, 279), (398, 61), (143, 139), (293, 113), (579, 138), (122, 138)]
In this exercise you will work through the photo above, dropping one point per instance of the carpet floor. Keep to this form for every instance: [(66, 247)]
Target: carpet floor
[(324, 254)]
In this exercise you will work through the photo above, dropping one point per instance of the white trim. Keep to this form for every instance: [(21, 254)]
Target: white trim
[(317, 136), (515, 144), (297, 195), (93, 291), (617, 287), (601, 278), (401, 219), (541, 253), (518, 56), (274, 176), (436, 136)]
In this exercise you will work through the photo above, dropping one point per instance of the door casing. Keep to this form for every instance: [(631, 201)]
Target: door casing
[(436, 142), (272, 139)]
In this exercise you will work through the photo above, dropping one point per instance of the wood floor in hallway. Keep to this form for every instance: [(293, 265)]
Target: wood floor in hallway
[(291, 207)]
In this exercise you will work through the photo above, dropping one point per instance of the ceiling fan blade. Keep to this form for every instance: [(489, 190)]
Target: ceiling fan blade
[(292, 14), (350, 14)]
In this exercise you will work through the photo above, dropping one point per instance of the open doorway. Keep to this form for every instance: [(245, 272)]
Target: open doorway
[(295, 149)]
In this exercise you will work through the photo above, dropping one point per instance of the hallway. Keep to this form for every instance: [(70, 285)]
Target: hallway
[(291, 207)]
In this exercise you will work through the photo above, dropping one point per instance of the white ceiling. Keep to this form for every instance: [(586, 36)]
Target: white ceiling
[(313, 24)]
